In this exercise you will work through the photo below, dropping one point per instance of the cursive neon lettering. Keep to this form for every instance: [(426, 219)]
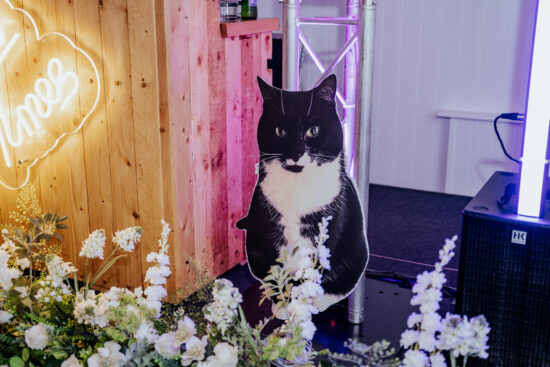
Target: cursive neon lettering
[(48, 93)]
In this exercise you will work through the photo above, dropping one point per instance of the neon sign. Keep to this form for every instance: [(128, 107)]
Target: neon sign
[(39, 93)]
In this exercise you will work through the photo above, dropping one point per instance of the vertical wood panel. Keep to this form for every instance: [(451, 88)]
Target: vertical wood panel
[(218, 138), (236, 202), (95, 131), (180, 129), (118, 104), (147, 131), (198, 56)]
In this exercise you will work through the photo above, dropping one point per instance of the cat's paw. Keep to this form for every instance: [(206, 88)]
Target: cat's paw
[(326, 300)]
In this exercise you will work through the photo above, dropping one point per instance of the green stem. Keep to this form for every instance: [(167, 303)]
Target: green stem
[(105, 262), (453, 360), (464, 361)]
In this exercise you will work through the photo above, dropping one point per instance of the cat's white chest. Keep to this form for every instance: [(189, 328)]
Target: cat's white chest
[(295, 195)]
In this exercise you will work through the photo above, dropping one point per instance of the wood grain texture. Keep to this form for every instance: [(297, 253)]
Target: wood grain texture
[(173, 136), (245, 27)]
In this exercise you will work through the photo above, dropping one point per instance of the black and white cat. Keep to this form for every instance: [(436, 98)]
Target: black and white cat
[(301, 179)]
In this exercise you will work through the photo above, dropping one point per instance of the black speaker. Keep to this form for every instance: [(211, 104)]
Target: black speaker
[(504, 273)]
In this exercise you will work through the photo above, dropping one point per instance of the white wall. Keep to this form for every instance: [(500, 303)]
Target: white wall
[(433, 55)]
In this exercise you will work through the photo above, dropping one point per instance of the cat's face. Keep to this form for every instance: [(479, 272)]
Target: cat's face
[(300, 129)]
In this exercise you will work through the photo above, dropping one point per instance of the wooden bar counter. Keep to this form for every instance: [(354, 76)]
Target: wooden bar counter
[(173, 135)]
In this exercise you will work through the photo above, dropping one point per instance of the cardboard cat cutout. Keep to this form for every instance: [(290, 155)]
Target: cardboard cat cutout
[(301, 179)]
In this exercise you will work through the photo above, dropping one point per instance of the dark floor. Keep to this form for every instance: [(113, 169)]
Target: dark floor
[(406, 229)]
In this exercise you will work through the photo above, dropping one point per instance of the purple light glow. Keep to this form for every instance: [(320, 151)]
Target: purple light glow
[(537, 118)]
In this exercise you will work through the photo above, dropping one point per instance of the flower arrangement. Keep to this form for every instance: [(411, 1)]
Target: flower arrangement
[(48, 318), (428, 336)]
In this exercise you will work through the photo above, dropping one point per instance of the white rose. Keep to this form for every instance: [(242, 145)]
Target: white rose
[(186, 329), (37, 337), (71, 362), (225, 355), (194, 350), (167, 345), (5, 317)]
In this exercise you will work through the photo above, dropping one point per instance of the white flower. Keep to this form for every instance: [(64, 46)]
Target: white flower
[(426, 341), (5, 317), (167, 345), (58, 269), (300, 310), (408, 338), (414, 318), (307, 289), (308, 329), (415, 358), (6, 273), (431, 322), (194, 350), (186, 329), (23, 263), (92, 247), (146, 332), (324, 256), (37, 337), (224, 308), (71, 362), (108, 355), (225, 355), (127, 238), (437, 360), (157, 274)]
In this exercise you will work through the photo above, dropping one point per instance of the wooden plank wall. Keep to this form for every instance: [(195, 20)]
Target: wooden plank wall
[(174, 135)]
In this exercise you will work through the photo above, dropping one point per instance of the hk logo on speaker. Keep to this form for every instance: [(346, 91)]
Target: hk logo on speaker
[(519, 237)]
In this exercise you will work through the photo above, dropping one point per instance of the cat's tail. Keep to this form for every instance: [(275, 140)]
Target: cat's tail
[(242, 223)]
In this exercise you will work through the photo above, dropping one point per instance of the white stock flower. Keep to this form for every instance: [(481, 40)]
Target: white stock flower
[(307, 289), (225, 355), (224, 308), (431, 322), (167, 345), (414, 319), (37, 337), (155, 293), (92, 247), (5, 317), (6, 273), (415, 358), (408, 338), (72, 361), (146, 332), (437, 360), (157, 275), (426, 341), (108, 355), (324, 256), (308, 329), (127, 238), (58, 269), (186, 329), (195, 348)]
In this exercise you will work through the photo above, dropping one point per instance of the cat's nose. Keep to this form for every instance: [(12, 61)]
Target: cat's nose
[(297, 157)]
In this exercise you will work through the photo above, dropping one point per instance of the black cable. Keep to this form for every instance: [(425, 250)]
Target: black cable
[(509, 116)]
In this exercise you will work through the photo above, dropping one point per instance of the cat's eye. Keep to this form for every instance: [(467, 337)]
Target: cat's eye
[(280, 132), (312, 132)]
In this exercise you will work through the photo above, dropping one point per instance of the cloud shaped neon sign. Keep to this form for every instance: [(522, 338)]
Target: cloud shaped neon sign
[(35, 120)]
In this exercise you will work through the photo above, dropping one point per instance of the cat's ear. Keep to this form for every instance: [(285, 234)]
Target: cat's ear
[(268, 92), (326, 90)]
